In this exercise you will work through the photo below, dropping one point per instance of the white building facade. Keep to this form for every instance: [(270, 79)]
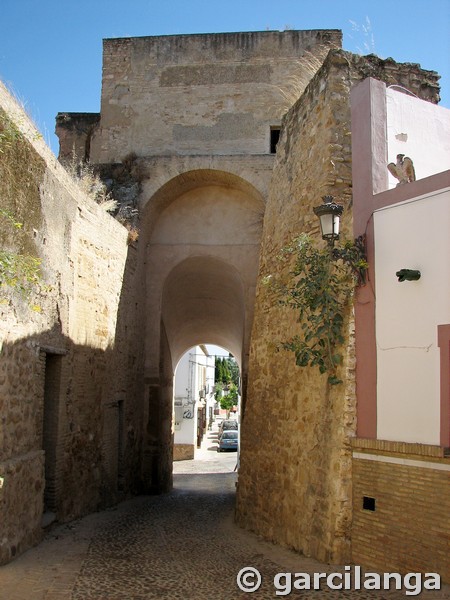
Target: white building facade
[(193, 401)]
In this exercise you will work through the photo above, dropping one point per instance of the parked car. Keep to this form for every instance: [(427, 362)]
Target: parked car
[(227, 424), (228, 440)]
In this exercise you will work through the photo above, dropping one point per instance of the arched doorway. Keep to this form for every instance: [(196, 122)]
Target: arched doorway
[(202, 240), (206, 391)]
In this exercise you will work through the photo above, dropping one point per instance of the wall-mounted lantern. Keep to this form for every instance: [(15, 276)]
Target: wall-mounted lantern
[(353, 254), (329, 213)]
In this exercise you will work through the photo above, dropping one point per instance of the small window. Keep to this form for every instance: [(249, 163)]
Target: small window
[(368, 503), (274, 137)]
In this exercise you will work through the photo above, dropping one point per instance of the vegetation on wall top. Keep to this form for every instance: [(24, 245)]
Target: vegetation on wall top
[(119, 195), (21, 174), (19, 272)]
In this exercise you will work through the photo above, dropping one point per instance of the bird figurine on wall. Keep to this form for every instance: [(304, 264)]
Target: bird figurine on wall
[(403, 169)]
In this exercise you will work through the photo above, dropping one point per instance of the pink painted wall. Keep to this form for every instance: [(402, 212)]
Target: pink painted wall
[(376, 120)]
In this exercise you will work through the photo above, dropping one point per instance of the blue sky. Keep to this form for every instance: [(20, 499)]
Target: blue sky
[(51, 50)]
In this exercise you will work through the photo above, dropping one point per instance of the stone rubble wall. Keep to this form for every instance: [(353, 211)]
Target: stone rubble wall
[(295, 479), (75, 132), (183, 451), (86, 314)]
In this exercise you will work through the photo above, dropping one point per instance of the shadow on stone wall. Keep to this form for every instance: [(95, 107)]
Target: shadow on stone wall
[(72, 423), (74, 413)]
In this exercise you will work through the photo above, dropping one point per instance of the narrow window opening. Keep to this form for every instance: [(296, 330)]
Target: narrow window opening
[(120, 450), (52, 383), (274, 137), (368, 503)]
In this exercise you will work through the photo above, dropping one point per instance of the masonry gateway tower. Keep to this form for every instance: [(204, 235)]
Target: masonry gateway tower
[(194, 121), (185, 141)]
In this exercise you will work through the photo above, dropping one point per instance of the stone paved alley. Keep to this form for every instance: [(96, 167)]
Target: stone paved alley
[(183, 545)]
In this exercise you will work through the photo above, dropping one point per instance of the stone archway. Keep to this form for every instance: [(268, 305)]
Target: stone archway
[(201, 234), (203, 302)]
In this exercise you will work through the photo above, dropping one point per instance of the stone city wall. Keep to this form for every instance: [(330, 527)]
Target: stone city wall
[(295, 479), (68, 349)]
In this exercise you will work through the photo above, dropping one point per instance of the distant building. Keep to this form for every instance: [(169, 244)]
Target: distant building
[(193, 401)]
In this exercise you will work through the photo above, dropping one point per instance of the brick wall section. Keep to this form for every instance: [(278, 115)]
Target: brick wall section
[(295, 480), (89, 317), (409, 531)]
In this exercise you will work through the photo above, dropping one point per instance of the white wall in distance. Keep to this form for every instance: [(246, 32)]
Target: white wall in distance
[(420, 130)]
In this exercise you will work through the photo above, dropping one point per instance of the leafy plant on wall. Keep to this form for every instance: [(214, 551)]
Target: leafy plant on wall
[(319, 287), (21, 172), (19, 272)]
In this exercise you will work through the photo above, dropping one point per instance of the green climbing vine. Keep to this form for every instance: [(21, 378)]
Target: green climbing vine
[(20, 272), (21, 173), (319, 287)]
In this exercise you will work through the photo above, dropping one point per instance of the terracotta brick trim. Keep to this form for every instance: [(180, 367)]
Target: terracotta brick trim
[(387, 447)]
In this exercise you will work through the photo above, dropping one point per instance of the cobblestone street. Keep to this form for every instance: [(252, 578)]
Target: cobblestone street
[(183, 545)]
